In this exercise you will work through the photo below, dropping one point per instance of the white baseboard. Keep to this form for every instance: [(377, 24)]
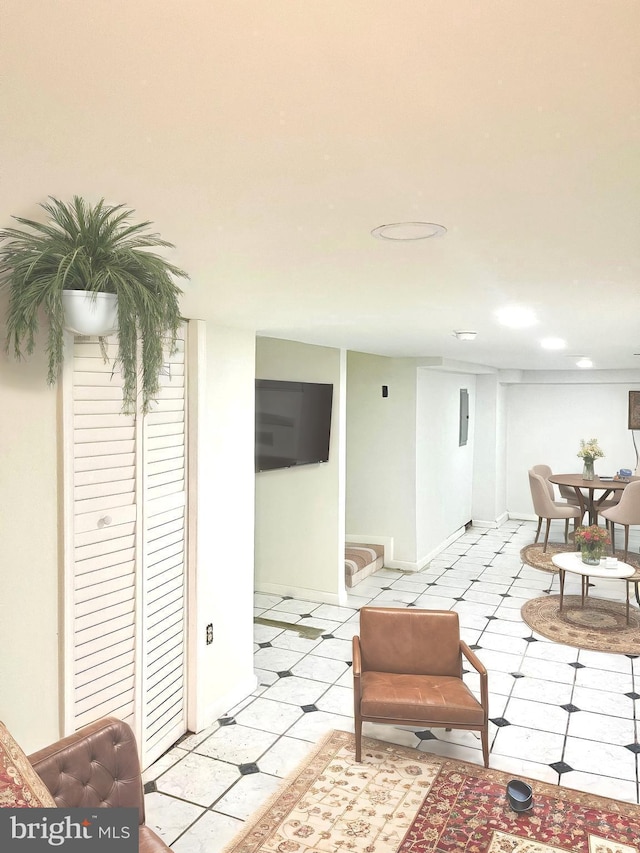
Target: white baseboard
[(220, 706), (423, 561), (523, 516), (304, 592), (404, 565), (490, 525)]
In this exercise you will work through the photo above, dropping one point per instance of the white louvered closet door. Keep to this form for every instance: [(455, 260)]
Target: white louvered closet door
[(128, 556), (164, 593)]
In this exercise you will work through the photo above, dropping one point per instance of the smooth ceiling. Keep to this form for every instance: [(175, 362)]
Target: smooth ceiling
[(267, 139)]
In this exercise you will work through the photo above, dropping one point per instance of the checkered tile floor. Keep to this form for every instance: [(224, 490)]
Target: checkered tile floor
[(560, 714)]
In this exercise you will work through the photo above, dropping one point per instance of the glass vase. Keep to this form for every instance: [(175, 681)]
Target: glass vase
[(591, 554), (587, 471)]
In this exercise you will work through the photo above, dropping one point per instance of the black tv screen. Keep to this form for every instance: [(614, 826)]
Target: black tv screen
[(293, 423)]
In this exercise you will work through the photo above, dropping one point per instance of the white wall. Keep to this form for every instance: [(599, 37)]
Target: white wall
[(299, 533), (489, 475), (408, 479), (501, 451), (381, 452), (444, 470), (545, 423), (30, 541), (222, 363)]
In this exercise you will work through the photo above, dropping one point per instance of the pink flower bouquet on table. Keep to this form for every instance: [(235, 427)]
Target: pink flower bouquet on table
[(591, 541)]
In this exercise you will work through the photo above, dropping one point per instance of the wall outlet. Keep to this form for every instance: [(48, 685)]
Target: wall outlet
[(209, 633)]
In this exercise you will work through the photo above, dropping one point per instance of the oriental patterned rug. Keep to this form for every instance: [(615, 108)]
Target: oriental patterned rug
[(600, 625), (401, 800)]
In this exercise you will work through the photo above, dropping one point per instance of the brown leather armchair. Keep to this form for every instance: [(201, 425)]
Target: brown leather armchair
[(97, 767), (407, 671)]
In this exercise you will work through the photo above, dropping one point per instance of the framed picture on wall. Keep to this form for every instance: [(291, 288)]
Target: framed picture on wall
[(634, 409)]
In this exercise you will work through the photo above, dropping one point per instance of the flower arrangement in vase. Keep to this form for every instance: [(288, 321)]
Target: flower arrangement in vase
[(592, 541), (589, 450)]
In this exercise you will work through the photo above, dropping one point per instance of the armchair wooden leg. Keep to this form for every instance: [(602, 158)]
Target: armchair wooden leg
[(613, 538), (546, 536), (538, 530), (566, 531), (626, 541), (358, 733), (484, 735)]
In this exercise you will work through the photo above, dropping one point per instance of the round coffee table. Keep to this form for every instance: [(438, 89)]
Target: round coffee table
[(571, 561)]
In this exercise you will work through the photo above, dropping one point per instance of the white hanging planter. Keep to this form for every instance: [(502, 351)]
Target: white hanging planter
[(87, 313)]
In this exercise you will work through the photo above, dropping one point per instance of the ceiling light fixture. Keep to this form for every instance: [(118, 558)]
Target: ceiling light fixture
[(408, 231), (465, 336), (584, 363), (553, 343), (516, 317)]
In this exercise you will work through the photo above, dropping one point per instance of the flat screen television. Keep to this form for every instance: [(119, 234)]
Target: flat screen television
[(293, 423)]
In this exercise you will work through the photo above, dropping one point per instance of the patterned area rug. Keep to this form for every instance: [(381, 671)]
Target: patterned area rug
[(400, 800), (601, 625), (533, 555)]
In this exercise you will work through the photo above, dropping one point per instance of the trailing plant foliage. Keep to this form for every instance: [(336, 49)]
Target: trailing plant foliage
[(96, 249)]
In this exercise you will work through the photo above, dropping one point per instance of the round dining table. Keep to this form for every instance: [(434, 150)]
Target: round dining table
[(589, 502)]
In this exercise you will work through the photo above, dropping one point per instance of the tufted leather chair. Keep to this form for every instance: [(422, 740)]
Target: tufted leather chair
[(97, 767), (407, 670)]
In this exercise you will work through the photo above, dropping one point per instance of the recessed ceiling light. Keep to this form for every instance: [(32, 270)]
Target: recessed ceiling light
[(465, 336), (516, 317), (584, 362), (408, 231), (553, 343)]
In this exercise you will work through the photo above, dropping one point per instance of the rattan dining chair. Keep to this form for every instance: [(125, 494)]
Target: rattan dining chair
[(547, 509)]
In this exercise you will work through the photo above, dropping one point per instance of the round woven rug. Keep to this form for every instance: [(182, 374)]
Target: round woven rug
[(600, 626), (533, 555)]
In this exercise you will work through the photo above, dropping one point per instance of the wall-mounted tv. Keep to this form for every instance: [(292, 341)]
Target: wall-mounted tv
[(293, 423)]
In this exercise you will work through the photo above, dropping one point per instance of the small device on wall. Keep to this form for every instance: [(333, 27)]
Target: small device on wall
[(634, 409), (464, 417), (385, 390)]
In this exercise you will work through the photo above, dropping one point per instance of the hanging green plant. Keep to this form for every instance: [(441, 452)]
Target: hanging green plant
[(96, 249)]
